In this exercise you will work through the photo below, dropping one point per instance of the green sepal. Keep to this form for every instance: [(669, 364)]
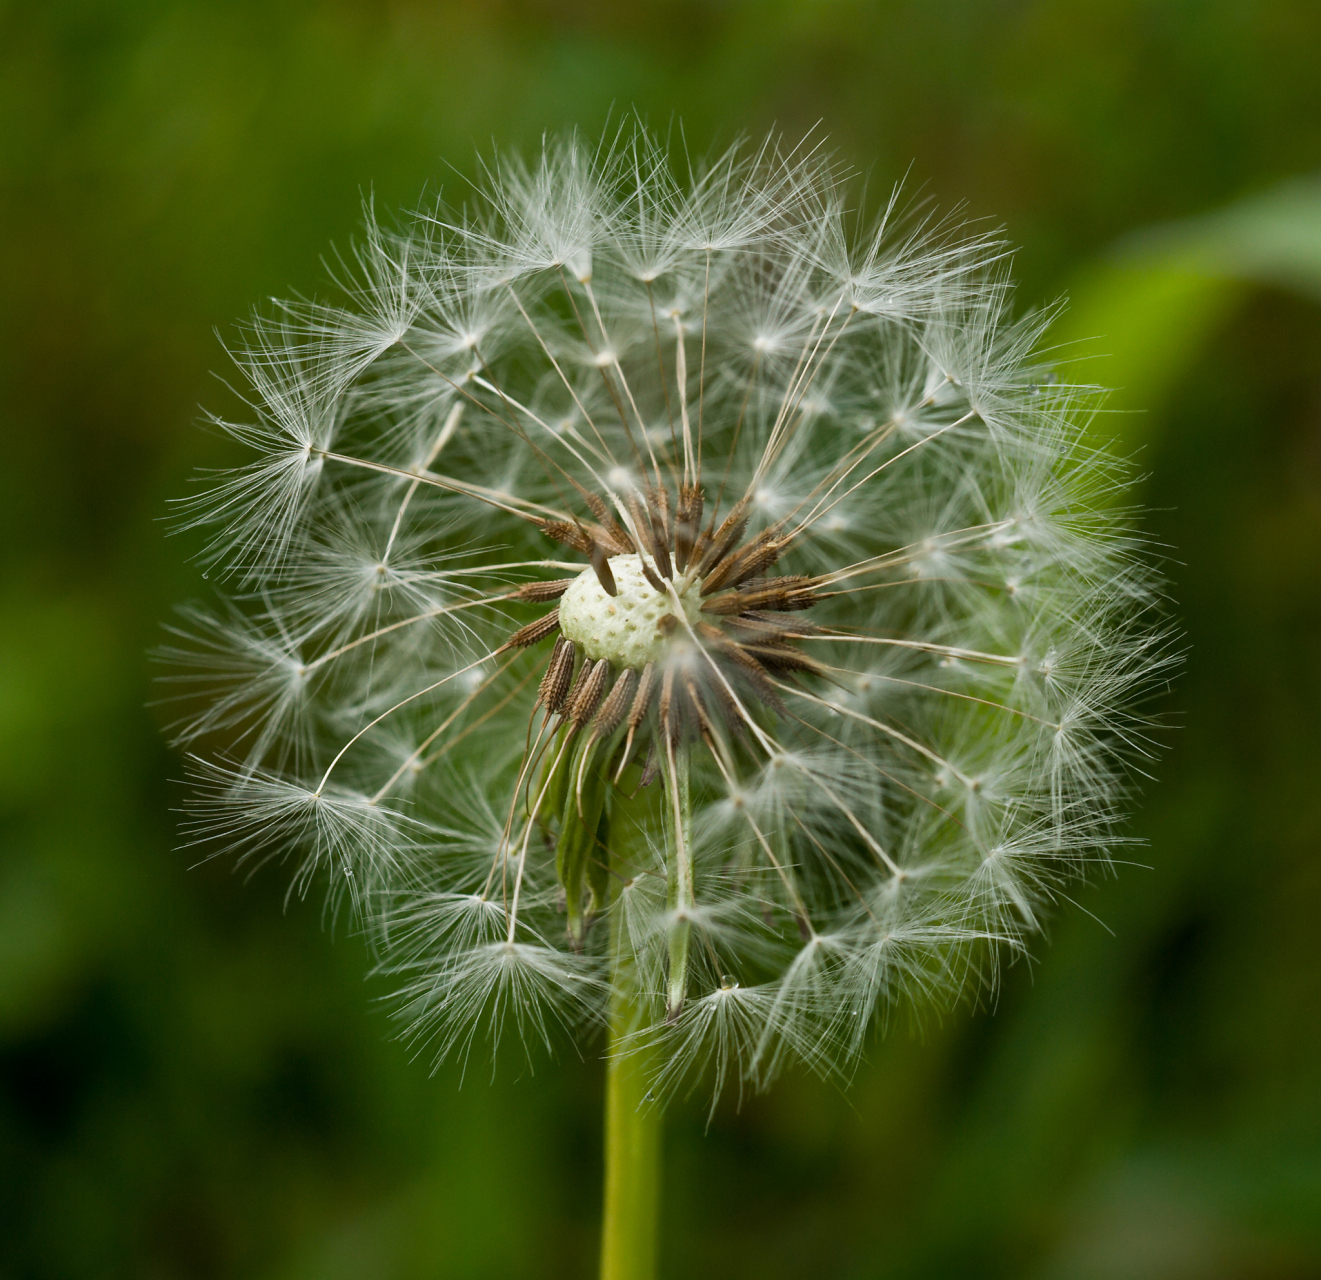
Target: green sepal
[(598, 865), (579, 861), (555, 787)]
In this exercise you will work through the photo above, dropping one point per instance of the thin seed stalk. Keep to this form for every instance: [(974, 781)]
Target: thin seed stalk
[(679, 812), (629, 1229)]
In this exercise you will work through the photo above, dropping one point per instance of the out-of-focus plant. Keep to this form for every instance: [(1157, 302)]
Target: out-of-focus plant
[(1147, 309), (660, 602)]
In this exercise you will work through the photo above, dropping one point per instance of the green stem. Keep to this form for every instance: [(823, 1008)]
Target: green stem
[(632, 1120)]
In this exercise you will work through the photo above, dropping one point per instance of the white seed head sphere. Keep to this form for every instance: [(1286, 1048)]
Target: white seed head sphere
[(629, 628), (881, 705)]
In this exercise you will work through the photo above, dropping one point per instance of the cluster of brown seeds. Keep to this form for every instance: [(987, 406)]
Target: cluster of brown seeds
[(743, 639)]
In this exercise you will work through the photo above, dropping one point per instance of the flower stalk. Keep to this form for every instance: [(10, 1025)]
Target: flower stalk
[(633, 1117)]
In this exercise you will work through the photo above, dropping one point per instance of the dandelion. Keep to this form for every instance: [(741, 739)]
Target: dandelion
[(666, 602)]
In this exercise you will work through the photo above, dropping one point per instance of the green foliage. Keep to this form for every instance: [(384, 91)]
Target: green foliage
[(1145, 312), (196, 1083)]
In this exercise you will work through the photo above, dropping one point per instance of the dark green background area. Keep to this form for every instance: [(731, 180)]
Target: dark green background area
[(195, 1082)]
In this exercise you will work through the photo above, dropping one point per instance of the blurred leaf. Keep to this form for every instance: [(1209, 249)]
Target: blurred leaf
[(1140, 318), (1271, 238)]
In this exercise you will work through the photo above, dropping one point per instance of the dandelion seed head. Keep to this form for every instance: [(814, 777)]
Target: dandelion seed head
[(642, 551)]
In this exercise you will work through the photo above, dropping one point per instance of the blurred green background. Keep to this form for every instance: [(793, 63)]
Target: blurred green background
[(197, 1083)]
